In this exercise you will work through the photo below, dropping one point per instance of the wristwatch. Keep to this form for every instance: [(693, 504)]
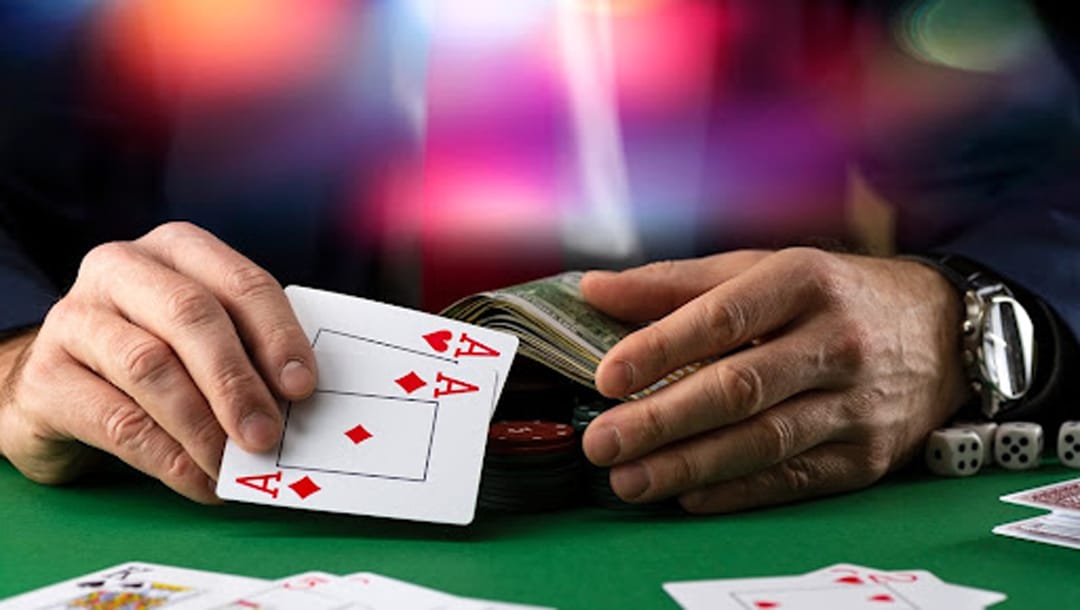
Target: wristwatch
[(997, 332)]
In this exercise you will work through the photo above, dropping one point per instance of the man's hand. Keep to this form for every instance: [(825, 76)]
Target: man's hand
[(162, 347), (831, 370)]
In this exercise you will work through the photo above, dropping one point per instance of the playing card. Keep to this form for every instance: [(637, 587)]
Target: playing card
[(383, 435), (724, 594), (833, 598), (918, 587), (137, 585), (1061, 497), (350, 324), (385, 592), (1055, 528), (837, 586), (310, 591)]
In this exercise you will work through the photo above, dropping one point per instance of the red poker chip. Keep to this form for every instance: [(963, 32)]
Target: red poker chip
[(529, 433), (494, 448)]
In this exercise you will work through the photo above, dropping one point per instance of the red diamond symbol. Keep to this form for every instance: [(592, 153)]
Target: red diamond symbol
[(882, 598), (304, 487), (411, 382), (358, 434), (765, 604)]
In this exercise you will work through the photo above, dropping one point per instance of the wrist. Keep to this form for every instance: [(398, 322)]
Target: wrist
[(13, 350), (997, 334), (940, 307)]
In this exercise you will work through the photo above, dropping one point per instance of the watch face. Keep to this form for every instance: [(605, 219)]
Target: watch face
[(1008, 347)]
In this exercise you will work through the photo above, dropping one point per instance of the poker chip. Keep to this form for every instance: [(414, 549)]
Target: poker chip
[(535, 465), (530, 466)]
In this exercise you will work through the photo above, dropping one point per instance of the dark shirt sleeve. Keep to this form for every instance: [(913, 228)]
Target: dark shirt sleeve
[(997, 180), (26, 294)]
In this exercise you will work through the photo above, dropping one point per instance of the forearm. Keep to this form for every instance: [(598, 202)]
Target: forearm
[(13, 348)]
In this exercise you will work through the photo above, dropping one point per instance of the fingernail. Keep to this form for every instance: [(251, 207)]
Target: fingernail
[(297, 379), (605, 444), (629, 482), (619, 378), (259, 430)]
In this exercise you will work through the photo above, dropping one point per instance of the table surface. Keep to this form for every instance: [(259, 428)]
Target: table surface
[(582, 558)]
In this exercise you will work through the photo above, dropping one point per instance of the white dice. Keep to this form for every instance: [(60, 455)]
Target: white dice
[(1068, 444), (985, 430), (954, 452), (1018, 445)]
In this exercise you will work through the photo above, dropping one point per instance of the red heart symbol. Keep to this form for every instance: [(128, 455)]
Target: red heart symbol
[(766, 604), (850, 580), (439, 340), (882, 598)]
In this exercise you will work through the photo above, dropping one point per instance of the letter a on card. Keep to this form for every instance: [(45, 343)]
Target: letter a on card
[(475, 348), (453, 386), (261, 482)]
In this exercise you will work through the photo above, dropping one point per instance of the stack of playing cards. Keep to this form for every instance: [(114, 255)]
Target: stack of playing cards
[(839, 586), (398, 422), (144, 585), (1061, 527)]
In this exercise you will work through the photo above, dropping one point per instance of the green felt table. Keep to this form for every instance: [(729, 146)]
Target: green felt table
[(583, 558)]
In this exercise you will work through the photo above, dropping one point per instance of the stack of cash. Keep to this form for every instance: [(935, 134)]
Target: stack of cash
[(557, 328)]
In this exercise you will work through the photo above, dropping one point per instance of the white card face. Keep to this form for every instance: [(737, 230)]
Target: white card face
[(837, 586), (723, 594), (920, 588), (1061, 497), (383, 435), (138, 585), (833, 598), (349, 324), (1056, 529), (310, 591)]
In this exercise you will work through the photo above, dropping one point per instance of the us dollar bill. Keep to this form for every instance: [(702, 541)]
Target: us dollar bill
[(555, 325)]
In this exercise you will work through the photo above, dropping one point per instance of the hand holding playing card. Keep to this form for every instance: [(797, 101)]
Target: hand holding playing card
[(829, 371), (397, 424), (162, 346)]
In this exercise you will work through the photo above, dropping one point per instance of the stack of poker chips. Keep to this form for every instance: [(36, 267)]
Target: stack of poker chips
[(596, 480), (530, 466)]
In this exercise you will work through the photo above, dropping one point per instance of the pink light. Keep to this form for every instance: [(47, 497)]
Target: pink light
[(207, 51)]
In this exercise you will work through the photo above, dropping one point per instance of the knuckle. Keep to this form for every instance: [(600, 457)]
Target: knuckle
[(861, 408), (727, 319), (658, 345), (62, 314), (172, 230), (180, 465), (823, 273), (146, 361), (738, 390), (105, 256), (775, 438), (874, 463), (796, 475), (236, 386), (655, 428), (850, 347), (249, 281), (190, 305), (128, 427), (680, 471), (206, 432)]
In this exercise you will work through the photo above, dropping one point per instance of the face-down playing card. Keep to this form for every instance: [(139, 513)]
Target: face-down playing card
[(347, 324), (383, 435)]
